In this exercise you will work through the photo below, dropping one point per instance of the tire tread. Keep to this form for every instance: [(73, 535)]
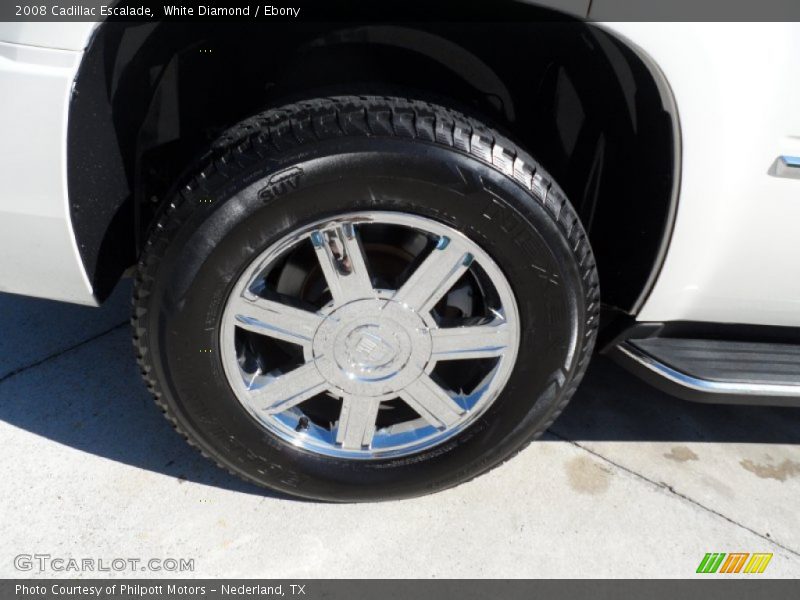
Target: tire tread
[(310, 121)]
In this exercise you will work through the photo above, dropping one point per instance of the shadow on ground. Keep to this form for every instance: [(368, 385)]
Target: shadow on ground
[(89, 396)]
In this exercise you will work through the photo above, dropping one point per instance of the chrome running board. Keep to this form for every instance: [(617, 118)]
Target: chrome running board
[(716, 371)]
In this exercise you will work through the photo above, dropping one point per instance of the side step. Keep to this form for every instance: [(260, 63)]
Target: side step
[(716, 371)]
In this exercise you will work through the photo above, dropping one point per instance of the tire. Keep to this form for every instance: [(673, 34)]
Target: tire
[(435, 172)]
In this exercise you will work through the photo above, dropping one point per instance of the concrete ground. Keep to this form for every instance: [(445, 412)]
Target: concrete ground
[(627, 483)]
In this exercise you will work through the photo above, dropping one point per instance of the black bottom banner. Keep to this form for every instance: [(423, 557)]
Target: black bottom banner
[(390, 589)]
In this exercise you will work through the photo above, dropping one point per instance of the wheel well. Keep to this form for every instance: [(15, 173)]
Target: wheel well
[(150, 98)]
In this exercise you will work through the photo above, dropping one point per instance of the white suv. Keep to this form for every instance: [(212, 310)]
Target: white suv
[(373, 261)]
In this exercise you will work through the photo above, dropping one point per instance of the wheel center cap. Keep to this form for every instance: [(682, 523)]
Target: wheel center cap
[(372, 348)]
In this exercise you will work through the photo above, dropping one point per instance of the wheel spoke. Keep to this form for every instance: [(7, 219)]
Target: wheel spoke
[(276, 320), (289, 389), (342, 261), (460, 343), (357, 422), (435, 276), (370, 387), (432, 403)]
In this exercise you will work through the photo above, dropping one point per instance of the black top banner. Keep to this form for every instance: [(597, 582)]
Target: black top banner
[(394, 10)]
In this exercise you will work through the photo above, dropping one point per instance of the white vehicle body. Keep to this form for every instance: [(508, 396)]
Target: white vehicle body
[(732, 256), (359, 241)]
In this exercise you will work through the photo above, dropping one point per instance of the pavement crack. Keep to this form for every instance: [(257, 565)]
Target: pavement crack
[(55, 355), (672, 490)]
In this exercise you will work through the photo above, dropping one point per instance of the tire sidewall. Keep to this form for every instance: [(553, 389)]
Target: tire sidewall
[(223, 229)]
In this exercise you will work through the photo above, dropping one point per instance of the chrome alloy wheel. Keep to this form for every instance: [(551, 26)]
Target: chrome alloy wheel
[(369, 335)]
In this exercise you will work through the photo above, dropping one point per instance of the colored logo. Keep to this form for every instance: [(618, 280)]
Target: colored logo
[(735, 562)]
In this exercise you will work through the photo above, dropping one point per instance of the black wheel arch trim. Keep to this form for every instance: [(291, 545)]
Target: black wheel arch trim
[(105, 201)]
